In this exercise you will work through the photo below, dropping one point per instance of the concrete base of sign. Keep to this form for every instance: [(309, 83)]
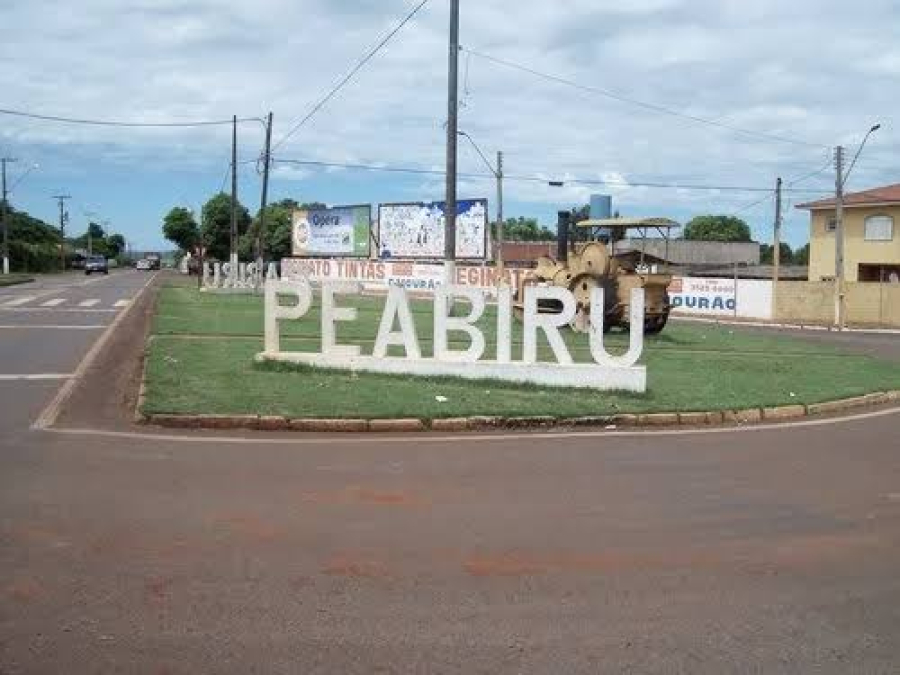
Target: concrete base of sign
[(579, 375)]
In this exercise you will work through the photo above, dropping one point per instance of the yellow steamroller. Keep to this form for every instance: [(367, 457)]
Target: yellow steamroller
[(592, 261)]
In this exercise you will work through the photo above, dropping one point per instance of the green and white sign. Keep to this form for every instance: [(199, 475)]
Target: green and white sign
[(340, 231)]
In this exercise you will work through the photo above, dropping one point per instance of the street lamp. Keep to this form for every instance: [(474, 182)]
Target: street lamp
[(871, 131), (840, 182), (498, 174)]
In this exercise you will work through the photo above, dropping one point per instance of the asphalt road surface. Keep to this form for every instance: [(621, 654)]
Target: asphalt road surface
[(773, 550)]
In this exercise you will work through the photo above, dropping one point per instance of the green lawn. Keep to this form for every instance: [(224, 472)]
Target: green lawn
[(201, 361), (13, 279)]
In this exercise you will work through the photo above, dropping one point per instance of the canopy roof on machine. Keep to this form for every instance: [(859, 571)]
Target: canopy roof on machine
[(631, 223)]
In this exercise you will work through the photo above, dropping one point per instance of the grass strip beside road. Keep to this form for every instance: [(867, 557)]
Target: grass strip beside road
[(690, 367), (14, 279)]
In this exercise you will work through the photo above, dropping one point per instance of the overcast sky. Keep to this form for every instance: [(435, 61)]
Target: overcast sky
[(817, 72)]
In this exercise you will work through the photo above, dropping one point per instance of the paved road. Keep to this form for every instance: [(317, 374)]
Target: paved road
[(765, 551)]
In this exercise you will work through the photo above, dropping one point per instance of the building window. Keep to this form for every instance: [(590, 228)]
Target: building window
[(879, 228), (831, 224)]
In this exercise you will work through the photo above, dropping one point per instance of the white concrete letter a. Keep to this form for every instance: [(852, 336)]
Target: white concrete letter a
[(397, 305)]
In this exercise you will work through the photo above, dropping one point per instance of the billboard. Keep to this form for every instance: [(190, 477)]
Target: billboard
[(339, 231), (416, 230)]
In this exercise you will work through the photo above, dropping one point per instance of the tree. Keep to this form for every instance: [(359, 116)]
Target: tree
[(216, 227), (767, 254), (525, 229), (717, 228), (277, 242), (181, 229), (33, 244), (801, 256), (116, 245)]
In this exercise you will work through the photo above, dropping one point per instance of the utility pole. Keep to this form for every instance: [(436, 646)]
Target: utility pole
[(500, 270), (4, 161), (260, 236), (62, 229), (839, 238), (234, 227), (776, 271), (452, 128)]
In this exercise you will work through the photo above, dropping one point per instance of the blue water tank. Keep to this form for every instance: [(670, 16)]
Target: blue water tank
[(601, 207)]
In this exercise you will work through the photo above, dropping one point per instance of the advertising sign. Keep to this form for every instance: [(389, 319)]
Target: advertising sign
[(750, 298), (417, 230), (415, 277), (339, 231)]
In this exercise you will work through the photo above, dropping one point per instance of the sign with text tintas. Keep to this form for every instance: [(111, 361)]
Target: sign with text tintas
[(397, 329), (338, 231)]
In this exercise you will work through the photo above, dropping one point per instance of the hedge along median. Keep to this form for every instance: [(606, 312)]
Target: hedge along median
[(201, 361)]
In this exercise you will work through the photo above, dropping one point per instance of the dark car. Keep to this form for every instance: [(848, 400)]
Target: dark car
[(96, 263)]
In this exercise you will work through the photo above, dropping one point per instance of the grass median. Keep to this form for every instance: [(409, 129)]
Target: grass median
[(202, 348)]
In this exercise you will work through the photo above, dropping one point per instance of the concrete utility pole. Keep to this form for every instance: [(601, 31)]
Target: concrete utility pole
[(452, 141), (500, 270), (260, 236), (234, 228), (63, 216), (4, 161), (839, 238), (776, 270)]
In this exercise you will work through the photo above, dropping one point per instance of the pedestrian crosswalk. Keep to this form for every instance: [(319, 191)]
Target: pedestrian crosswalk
[(32, 302)]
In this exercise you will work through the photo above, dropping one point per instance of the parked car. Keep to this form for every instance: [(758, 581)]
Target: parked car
[(96, 263), (143, 264)]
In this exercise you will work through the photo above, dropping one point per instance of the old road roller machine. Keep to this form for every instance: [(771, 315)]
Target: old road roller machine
[(587, 258)]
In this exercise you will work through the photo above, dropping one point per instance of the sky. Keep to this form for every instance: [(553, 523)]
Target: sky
[(781, 82)]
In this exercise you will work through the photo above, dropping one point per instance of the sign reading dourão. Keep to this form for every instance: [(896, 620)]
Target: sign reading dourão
[(606, 372)]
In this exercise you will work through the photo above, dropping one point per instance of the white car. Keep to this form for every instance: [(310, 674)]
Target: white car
[(143, 264)]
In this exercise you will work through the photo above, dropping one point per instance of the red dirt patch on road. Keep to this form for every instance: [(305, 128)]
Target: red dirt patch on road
[(359, 495), (355, 567), (24, 590)]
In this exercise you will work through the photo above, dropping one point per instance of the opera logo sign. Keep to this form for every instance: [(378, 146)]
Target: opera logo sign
[(287, 301)]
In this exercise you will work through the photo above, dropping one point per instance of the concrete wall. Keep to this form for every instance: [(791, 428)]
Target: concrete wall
[(867, 304), (856, 249)]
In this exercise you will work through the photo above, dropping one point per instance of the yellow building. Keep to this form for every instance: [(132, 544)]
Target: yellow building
[(871, 237)]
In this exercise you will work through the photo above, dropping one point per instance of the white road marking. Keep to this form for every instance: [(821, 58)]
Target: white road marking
[(89, 303), (458, 439), (49, 414), (19, 301), (53, 303), (122, 303), (45, 326), (35, 376), (55, 310)]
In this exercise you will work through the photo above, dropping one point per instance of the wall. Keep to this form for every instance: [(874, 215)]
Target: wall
[(805, 302), (867, 304), (856, 249)]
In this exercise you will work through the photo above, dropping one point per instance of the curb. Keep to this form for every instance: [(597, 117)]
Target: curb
[(742, 417)]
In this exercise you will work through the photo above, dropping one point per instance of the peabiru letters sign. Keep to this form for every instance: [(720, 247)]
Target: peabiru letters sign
[(606, 372)]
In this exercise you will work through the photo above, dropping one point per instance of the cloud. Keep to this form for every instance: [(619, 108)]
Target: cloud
[(769, 66)]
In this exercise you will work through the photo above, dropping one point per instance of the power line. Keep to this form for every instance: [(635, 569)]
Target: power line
[(641, 104), (790, 183), (538, 179), (349, 76), (117, 123)]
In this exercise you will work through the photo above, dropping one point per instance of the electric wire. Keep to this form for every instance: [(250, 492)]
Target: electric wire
[(536, 179), (349, 76), (654, 107), (118, 123)]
